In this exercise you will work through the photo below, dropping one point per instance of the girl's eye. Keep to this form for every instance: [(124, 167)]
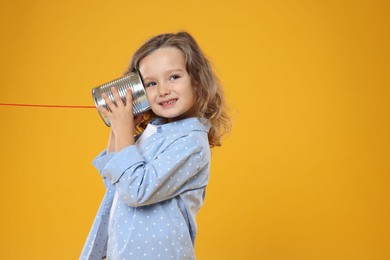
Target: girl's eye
[(150, 84), (174, 77)]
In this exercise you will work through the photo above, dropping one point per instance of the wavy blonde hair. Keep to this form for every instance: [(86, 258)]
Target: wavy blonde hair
[(210, 103)]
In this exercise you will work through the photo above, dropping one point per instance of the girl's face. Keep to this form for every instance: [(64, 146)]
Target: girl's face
[(168, 85)]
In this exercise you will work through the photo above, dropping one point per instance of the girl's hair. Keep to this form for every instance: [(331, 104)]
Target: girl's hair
[(210, 103)]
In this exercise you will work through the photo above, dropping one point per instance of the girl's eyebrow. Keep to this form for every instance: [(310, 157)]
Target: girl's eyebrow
[(145, 78), (166, 72), (174, 70)]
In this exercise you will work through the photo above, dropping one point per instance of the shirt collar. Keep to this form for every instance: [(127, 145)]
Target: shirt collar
[(187, 124)]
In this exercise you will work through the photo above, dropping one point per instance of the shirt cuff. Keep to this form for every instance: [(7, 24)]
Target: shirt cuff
[(102, 159), (120, 162)]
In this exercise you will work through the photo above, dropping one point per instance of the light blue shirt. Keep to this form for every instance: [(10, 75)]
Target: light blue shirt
[(160, 187)]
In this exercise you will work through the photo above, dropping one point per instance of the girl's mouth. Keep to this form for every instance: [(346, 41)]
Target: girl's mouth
[(168, 103)]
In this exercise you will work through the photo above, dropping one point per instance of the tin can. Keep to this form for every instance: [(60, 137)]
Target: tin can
[(130, 81)]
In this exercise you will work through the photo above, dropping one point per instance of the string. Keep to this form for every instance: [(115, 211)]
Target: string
[(40, 105)]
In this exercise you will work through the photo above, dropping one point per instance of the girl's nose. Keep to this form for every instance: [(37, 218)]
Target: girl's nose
[(163, 90)]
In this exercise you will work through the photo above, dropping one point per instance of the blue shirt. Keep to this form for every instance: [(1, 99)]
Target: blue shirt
[(160, 186)]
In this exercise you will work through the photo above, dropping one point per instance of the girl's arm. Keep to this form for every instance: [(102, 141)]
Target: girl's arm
[(111, 142), (122, 128), (182, 166)]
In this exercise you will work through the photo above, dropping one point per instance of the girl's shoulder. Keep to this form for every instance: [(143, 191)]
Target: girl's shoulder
[(183, 134)]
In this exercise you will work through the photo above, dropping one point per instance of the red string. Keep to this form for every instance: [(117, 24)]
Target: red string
[(37, 105)]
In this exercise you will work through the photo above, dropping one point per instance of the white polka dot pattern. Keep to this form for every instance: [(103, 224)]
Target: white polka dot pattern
[(161, 187)]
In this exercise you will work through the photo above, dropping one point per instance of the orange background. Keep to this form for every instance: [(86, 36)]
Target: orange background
[(303, 175)]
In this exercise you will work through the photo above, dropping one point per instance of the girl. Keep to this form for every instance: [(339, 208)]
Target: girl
[(156, 184)]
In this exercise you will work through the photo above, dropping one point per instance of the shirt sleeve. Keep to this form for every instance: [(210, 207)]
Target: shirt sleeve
[(101, 161), (182, 166)]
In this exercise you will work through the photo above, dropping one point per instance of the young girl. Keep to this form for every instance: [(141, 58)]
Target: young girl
[(156, 184)]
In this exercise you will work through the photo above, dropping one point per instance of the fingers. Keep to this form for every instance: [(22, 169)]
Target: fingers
[(117, 98), (117, 103), (109, 104), (129, 98), (103, 110)]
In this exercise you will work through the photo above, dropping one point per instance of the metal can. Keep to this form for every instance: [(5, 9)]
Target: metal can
[(131, 81)]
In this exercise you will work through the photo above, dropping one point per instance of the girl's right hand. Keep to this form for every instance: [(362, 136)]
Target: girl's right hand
[(118, 112), (122, 121)]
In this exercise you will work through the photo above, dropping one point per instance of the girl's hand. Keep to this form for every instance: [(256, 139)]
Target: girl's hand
[(121, 117)]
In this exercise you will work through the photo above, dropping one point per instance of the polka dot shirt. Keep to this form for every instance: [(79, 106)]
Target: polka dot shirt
[(160, 187)]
